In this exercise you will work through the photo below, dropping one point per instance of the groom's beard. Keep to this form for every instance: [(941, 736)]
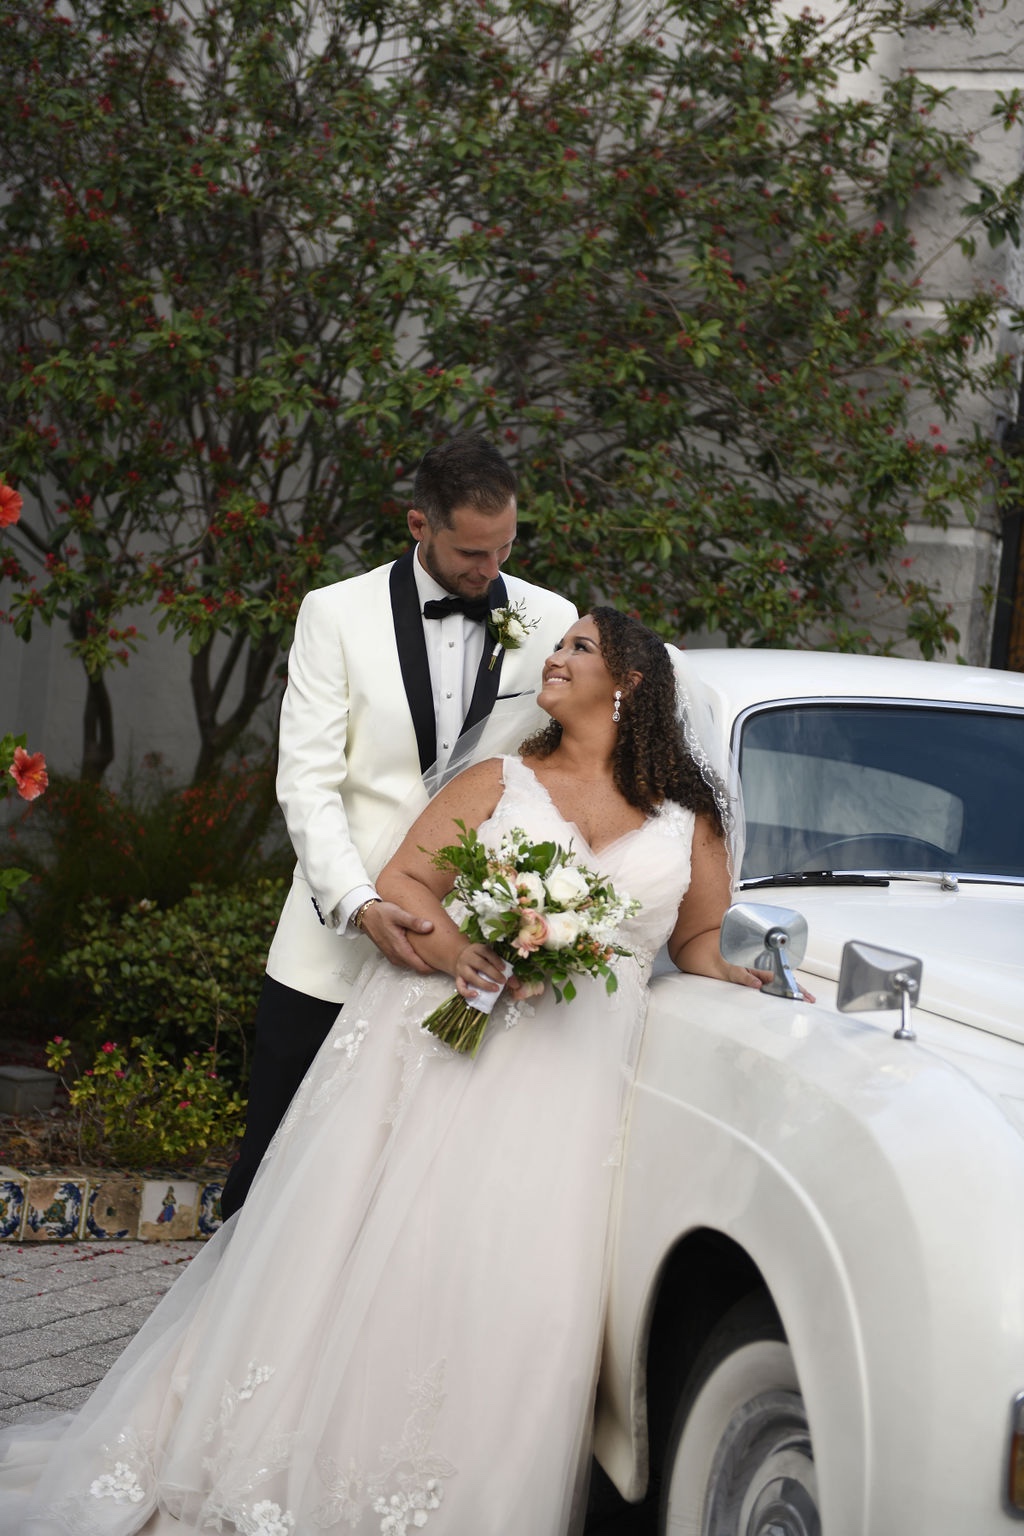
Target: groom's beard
[(458, 583)]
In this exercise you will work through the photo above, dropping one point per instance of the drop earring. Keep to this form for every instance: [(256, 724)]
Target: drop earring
[(616, 712)]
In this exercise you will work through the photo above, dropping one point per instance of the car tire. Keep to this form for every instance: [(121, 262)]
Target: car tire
[(739, 1460)]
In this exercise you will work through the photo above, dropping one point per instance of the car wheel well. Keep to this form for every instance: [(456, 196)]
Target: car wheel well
[(703, 1277)]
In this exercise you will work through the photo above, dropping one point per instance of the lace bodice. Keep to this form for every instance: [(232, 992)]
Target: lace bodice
[(650, 864)]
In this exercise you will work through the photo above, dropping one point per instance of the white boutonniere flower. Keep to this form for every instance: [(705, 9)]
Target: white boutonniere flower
[(508, 628)]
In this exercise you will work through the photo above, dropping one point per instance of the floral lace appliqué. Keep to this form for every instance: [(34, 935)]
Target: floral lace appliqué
[(408, 1510), (674, 819), (236, 1475), (122, 1485), (350, 1042), (407, 1487), (265, 1519), (129, 1475), (255, 1376)]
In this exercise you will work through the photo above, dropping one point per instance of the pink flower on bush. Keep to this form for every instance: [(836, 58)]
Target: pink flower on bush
[(108, 1047), (10, 505), (28, 771), (533, 930)]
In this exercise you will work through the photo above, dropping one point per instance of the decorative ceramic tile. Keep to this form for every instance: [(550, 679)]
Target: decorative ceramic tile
[(53, 1209), (114, 1208), (168, 1209), (209, 1209), (12, 1202)]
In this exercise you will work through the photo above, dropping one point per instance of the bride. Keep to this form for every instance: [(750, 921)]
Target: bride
[(400, 1329)]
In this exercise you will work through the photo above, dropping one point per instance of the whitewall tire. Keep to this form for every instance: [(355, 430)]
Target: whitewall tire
[(739, 1460)]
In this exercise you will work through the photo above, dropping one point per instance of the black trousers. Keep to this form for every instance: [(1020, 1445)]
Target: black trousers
[(290, 1029)]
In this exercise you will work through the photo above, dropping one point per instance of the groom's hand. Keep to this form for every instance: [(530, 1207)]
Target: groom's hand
[(389, 926)]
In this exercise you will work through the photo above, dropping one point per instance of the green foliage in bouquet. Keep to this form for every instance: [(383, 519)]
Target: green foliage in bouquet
[(137, 1108), (185, 976)]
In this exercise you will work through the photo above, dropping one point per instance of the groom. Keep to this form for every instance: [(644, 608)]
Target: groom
[(386, 672)]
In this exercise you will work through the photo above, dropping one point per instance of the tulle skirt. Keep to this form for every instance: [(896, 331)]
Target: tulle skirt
[(400, 1330)]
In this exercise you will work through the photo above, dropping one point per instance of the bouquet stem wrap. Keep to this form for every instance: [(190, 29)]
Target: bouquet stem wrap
[(461, 1024)]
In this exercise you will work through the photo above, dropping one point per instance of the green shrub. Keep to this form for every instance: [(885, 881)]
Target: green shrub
[(185, 977), (136, 1108), (148, 843)]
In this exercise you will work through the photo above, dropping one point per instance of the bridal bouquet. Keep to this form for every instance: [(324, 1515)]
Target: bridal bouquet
[(547, 917)]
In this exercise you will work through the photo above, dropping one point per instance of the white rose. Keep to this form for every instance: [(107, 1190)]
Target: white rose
[(531, 885), (515, 634), (566, 885), (485, 905), (563, 928)]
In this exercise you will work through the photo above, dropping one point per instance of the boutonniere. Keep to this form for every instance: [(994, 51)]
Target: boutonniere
[(508, 628)]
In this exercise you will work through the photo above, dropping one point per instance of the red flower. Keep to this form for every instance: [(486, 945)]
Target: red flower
[(29, 771), (10, 505)]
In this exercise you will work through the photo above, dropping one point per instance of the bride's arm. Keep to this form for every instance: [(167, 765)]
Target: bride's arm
[(411, 880), (693, 943)]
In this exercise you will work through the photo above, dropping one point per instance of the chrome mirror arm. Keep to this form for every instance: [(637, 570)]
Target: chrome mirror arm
[(783, 982), (907, 988)]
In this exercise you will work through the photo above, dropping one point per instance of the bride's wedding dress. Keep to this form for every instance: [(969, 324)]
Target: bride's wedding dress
[(400, 1330)]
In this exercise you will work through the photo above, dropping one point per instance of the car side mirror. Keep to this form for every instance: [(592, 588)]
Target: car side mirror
[(769, 939), (870, 977)]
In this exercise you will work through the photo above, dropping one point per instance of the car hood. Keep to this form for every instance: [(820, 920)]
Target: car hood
[(971, 942)]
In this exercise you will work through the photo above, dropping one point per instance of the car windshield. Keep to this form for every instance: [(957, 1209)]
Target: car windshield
[(882, 786)]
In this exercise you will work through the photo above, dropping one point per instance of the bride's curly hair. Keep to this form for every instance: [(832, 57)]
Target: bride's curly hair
[(650, 760)]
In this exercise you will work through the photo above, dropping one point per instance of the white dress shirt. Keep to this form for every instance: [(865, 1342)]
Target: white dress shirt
[(454, 647)]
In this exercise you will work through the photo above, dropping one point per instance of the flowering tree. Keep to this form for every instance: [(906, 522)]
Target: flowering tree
[(259, 254), (27, 772)]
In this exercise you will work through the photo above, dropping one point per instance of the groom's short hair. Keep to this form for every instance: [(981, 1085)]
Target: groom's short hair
[(466, 471)]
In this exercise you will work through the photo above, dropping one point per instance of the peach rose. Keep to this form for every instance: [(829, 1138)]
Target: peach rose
[(533, 930)]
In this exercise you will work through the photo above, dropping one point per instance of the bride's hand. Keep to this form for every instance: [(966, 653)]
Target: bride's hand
[(701, 956), (747, 976), (477, 969)]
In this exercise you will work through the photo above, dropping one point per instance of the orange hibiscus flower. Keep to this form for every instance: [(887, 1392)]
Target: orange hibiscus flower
[(10, 505), (29, 773)]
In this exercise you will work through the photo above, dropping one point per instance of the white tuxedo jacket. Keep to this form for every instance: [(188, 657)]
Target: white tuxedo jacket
[(358, 732)]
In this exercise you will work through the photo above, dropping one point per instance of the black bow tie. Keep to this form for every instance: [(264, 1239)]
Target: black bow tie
[(475, 608)]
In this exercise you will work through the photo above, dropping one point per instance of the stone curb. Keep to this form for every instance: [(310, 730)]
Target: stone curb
[(80, 1206)]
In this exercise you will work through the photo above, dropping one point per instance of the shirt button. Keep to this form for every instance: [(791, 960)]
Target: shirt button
[(451, 645), (448, 694), (445, 745)]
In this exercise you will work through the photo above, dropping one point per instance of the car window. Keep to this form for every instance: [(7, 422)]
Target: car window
[(882, 787)]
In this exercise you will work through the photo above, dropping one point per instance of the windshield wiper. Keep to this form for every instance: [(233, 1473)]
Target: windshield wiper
[(945, 880), (814, 877)]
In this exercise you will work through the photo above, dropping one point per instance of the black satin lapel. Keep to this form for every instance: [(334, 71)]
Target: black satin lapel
[(412, 656), (485, 689)]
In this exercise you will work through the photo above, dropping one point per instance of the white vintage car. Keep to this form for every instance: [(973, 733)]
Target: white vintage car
[(816, 1313)]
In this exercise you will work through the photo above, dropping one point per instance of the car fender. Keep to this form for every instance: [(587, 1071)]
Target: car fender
[(874, 1187)]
